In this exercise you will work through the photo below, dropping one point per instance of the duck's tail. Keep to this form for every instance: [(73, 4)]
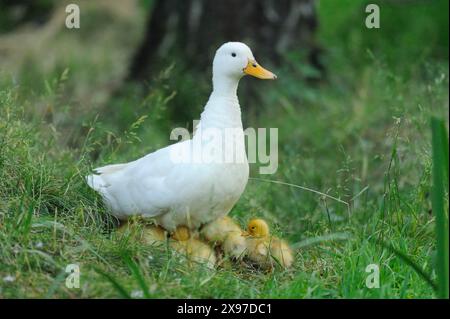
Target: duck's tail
[(96, 182), (109, 168)]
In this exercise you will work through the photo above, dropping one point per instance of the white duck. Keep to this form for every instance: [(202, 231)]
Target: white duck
[(189, 183)]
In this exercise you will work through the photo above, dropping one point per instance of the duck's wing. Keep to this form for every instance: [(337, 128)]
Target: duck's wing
[(149, 186)]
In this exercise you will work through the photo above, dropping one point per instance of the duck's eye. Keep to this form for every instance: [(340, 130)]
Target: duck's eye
[(254, 65), (253, 227), (233, 55)]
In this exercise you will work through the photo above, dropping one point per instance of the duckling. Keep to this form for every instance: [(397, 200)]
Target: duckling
[(235, 245), (140, 230), (180, 240), (264, 249), (154, 235), (219, 229), (227, 233), (195, 251), (151, 231), (131, 228), (181, 233)]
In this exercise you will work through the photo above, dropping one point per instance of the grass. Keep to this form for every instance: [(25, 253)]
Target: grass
[(440, 178), (49, 217), (360, 180)]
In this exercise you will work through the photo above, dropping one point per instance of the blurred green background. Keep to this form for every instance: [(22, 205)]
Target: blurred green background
[(352, 106)]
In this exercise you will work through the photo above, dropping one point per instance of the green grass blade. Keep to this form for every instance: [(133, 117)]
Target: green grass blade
[(120, 289), (134, 268), (440, 178), (321, 239), (407, 260), (444, 145)]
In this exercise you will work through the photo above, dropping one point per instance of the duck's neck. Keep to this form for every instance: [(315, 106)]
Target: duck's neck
[(225, 86), (222, 109)]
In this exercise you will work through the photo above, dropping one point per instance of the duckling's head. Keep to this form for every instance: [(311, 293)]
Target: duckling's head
[(258, 228), (233, 60)]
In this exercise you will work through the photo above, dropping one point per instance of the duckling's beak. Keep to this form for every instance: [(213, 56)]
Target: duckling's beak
[(254, 69), (245, 233)]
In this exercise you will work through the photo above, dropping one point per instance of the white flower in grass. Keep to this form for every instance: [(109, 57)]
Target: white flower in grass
[(137, 294), (9, 278), (16, 249)]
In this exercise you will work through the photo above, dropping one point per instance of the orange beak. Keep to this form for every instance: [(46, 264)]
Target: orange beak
[(254, 69)]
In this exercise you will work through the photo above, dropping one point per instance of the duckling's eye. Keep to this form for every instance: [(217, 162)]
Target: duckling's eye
[(254, 227), (233, 55)]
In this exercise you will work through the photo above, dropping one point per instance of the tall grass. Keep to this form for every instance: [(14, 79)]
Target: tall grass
[(439, 186), (440, 178)]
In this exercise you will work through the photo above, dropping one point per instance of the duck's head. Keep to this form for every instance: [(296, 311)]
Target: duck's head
[(257, 228), (233, 60)]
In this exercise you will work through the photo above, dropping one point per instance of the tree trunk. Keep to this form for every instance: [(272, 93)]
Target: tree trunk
[(14, 13)]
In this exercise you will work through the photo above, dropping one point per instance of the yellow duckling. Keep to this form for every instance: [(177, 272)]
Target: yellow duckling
[(219, 229), (235, 245), (180, 240), (151, 234), (195, 251), (227, 233), (154, 235), (264, 249), (139, 231)]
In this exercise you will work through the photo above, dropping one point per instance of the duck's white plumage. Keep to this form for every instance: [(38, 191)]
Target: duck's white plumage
[(179, 190)]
